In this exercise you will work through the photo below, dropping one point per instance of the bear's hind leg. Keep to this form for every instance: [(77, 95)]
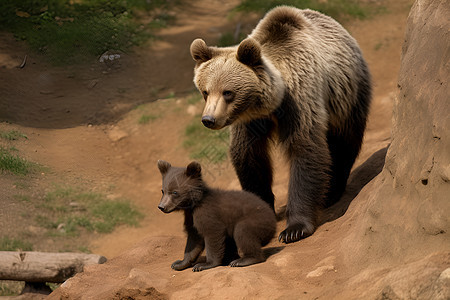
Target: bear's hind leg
[(249, 244), (343, 154), (345, 143)]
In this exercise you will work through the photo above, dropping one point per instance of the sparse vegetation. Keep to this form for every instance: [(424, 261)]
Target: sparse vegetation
[(12, 135), (147, 118), (11, 288), (11, 244), (68, 31), (341, 10), (14, 164), (205, 144), (338, 9), (194, 98), (65, 211)]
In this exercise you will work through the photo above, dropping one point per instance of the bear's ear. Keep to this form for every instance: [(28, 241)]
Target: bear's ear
[(200, 51), (249, 52), (194, 170), (163, 166)]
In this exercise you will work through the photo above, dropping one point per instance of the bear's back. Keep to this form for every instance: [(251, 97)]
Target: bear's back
[(316, 56)]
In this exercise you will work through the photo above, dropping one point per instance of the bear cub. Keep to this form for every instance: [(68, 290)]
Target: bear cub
[(220, 221)]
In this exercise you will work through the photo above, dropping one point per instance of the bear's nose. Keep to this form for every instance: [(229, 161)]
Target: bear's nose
[(208, 121), (162, 208)]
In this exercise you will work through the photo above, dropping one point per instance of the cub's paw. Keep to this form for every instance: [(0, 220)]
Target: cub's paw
[(245, 261), (180, 265), (295, 232), (203, 266)]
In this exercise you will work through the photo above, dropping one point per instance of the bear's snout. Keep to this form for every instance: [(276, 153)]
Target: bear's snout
[(208, 121), (162, 208)]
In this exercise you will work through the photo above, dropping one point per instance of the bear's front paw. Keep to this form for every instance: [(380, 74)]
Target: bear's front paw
[(180, 265), (295, 233)]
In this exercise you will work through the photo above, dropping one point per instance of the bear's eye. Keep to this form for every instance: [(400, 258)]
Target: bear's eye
[(205, 94), (162, 191), (228, 96), (175, 193)]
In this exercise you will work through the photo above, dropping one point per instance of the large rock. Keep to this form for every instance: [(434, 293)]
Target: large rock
[(391, 243), (403, 225)]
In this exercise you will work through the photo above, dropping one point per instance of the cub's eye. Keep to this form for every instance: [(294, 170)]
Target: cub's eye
[(162, 191), (228, 95), (175, 193), (205, 94)]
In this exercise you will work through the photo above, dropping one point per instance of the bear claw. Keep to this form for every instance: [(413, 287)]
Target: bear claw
[(293, 233)]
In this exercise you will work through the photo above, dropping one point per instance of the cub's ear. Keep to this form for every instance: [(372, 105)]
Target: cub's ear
[(163, 166), (200, 51), (249, 52), (194, 170)]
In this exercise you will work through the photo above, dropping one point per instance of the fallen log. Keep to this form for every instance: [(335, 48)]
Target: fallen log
[(43, 266)]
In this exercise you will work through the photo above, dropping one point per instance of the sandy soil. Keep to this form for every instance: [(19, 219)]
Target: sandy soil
[(81, 123)]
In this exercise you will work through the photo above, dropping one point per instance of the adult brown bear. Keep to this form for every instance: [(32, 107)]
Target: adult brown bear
[(300, 81)]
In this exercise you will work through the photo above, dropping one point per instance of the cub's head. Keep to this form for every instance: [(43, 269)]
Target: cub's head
[(237, 83), (182, 188)]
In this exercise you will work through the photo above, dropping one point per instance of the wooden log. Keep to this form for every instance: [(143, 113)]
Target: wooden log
[(43, 266)]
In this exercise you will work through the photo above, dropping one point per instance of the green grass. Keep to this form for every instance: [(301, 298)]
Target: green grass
[(12, 135), (66, 210), (22, 198), (12, 163), (70, 31), (10, 244), (205, 144), (147, 118), (194, 98), (11, 288), (338, 9)]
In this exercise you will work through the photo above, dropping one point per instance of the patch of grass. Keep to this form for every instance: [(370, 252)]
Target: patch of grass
[(338, 9), (53, 286), (378, 46), (205, 144), (170, 95), (146, 118), (12, 135), (194, 98), (229, 39), (226, 39), (22, 198), (84, 249), (66, 210), (68, 31), (10, 244), (22, 185), (14, 164), (11, 288)]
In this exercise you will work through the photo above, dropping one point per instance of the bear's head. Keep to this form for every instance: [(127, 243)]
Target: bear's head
[(182, 188), (237, 83)]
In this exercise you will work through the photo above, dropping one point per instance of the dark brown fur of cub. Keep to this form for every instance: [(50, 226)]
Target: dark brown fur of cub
[(217, 220)]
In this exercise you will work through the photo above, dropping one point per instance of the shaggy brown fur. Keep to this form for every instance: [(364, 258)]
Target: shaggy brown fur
[(300, 81), (219, 220)]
